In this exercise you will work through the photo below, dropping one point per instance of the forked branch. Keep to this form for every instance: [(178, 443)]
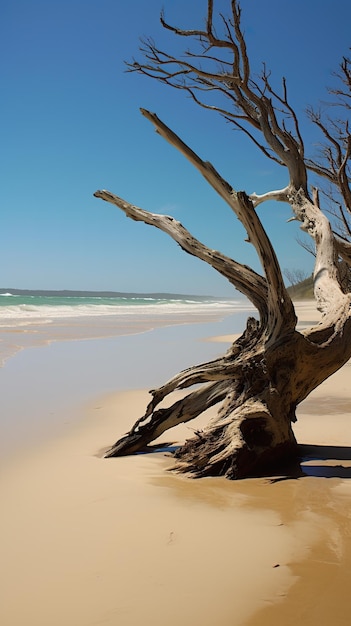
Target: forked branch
[(148, 428), (240, 276), (279, 303), (272, 367), (217, 75)]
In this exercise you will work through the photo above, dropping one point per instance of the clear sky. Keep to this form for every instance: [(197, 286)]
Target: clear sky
[(71, 124)]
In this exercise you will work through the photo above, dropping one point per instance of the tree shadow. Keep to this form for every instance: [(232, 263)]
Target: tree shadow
[(299, 468), (326, 454), (164, 448)]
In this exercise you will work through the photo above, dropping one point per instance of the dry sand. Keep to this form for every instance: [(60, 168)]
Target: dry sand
[(88, 541)]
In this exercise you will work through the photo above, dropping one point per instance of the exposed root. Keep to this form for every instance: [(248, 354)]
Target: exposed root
[(150, 427), (245, 442)]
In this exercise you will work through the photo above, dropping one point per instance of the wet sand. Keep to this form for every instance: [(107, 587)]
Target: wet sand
[(121, 541), (89, 541)]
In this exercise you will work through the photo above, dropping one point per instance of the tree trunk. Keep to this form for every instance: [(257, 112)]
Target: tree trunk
[(272, 367), (257, 390)]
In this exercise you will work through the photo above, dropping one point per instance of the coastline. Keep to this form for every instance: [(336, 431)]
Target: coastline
[(43, 384), (88, 540), (32, 321)]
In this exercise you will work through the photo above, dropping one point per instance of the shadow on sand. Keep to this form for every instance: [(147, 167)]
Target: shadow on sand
[(318, 460), (314, 460)]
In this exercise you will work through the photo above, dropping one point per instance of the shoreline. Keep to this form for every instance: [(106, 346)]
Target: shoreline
[(88, 540), (44, 382), (42, 328)]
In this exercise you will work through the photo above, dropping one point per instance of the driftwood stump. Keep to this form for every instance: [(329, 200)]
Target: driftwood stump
[(272, 367)]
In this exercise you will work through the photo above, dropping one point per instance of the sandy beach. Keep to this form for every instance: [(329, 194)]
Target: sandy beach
[(87, 541)]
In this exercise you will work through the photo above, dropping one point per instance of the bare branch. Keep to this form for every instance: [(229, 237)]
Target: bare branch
[(223, 69), (227, 367), (279, 302), (334, 161), (307, 244), (344, 250), (182, 411), (280, 195), (240, 276), (272, 366), (326, 275)]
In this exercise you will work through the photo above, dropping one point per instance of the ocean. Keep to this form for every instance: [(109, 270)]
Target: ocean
[(22, 308), (61, 350), (33, 318)]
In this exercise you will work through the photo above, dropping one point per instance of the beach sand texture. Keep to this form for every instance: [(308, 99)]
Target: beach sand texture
[(88, 541)]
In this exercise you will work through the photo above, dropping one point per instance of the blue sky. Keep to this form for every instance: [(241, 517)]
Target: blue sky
[(71, 124)]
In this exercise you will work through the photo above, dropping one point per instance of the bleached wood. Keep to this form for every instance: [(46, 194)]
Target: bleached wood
[(278, 195), (240, 276), (267, 371), (272, 367)]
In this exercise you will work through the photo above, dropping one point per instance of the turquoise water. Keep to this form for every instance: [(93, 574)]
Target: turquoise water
[(43, 386), (9, 299), (17, 309), (33, 319)]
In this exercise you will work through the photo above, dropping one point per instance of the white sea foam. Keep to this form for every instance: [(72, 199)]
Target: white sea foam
[(28, 324), (26, 314), (27, 310)]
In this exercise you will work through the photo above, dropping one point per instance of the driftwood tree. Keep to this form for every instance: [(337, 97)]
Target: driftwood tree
[(272, 367)]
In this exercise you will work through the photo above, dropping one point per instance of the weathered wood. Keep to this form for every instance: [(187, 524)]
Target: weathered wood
[(272, 367)]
